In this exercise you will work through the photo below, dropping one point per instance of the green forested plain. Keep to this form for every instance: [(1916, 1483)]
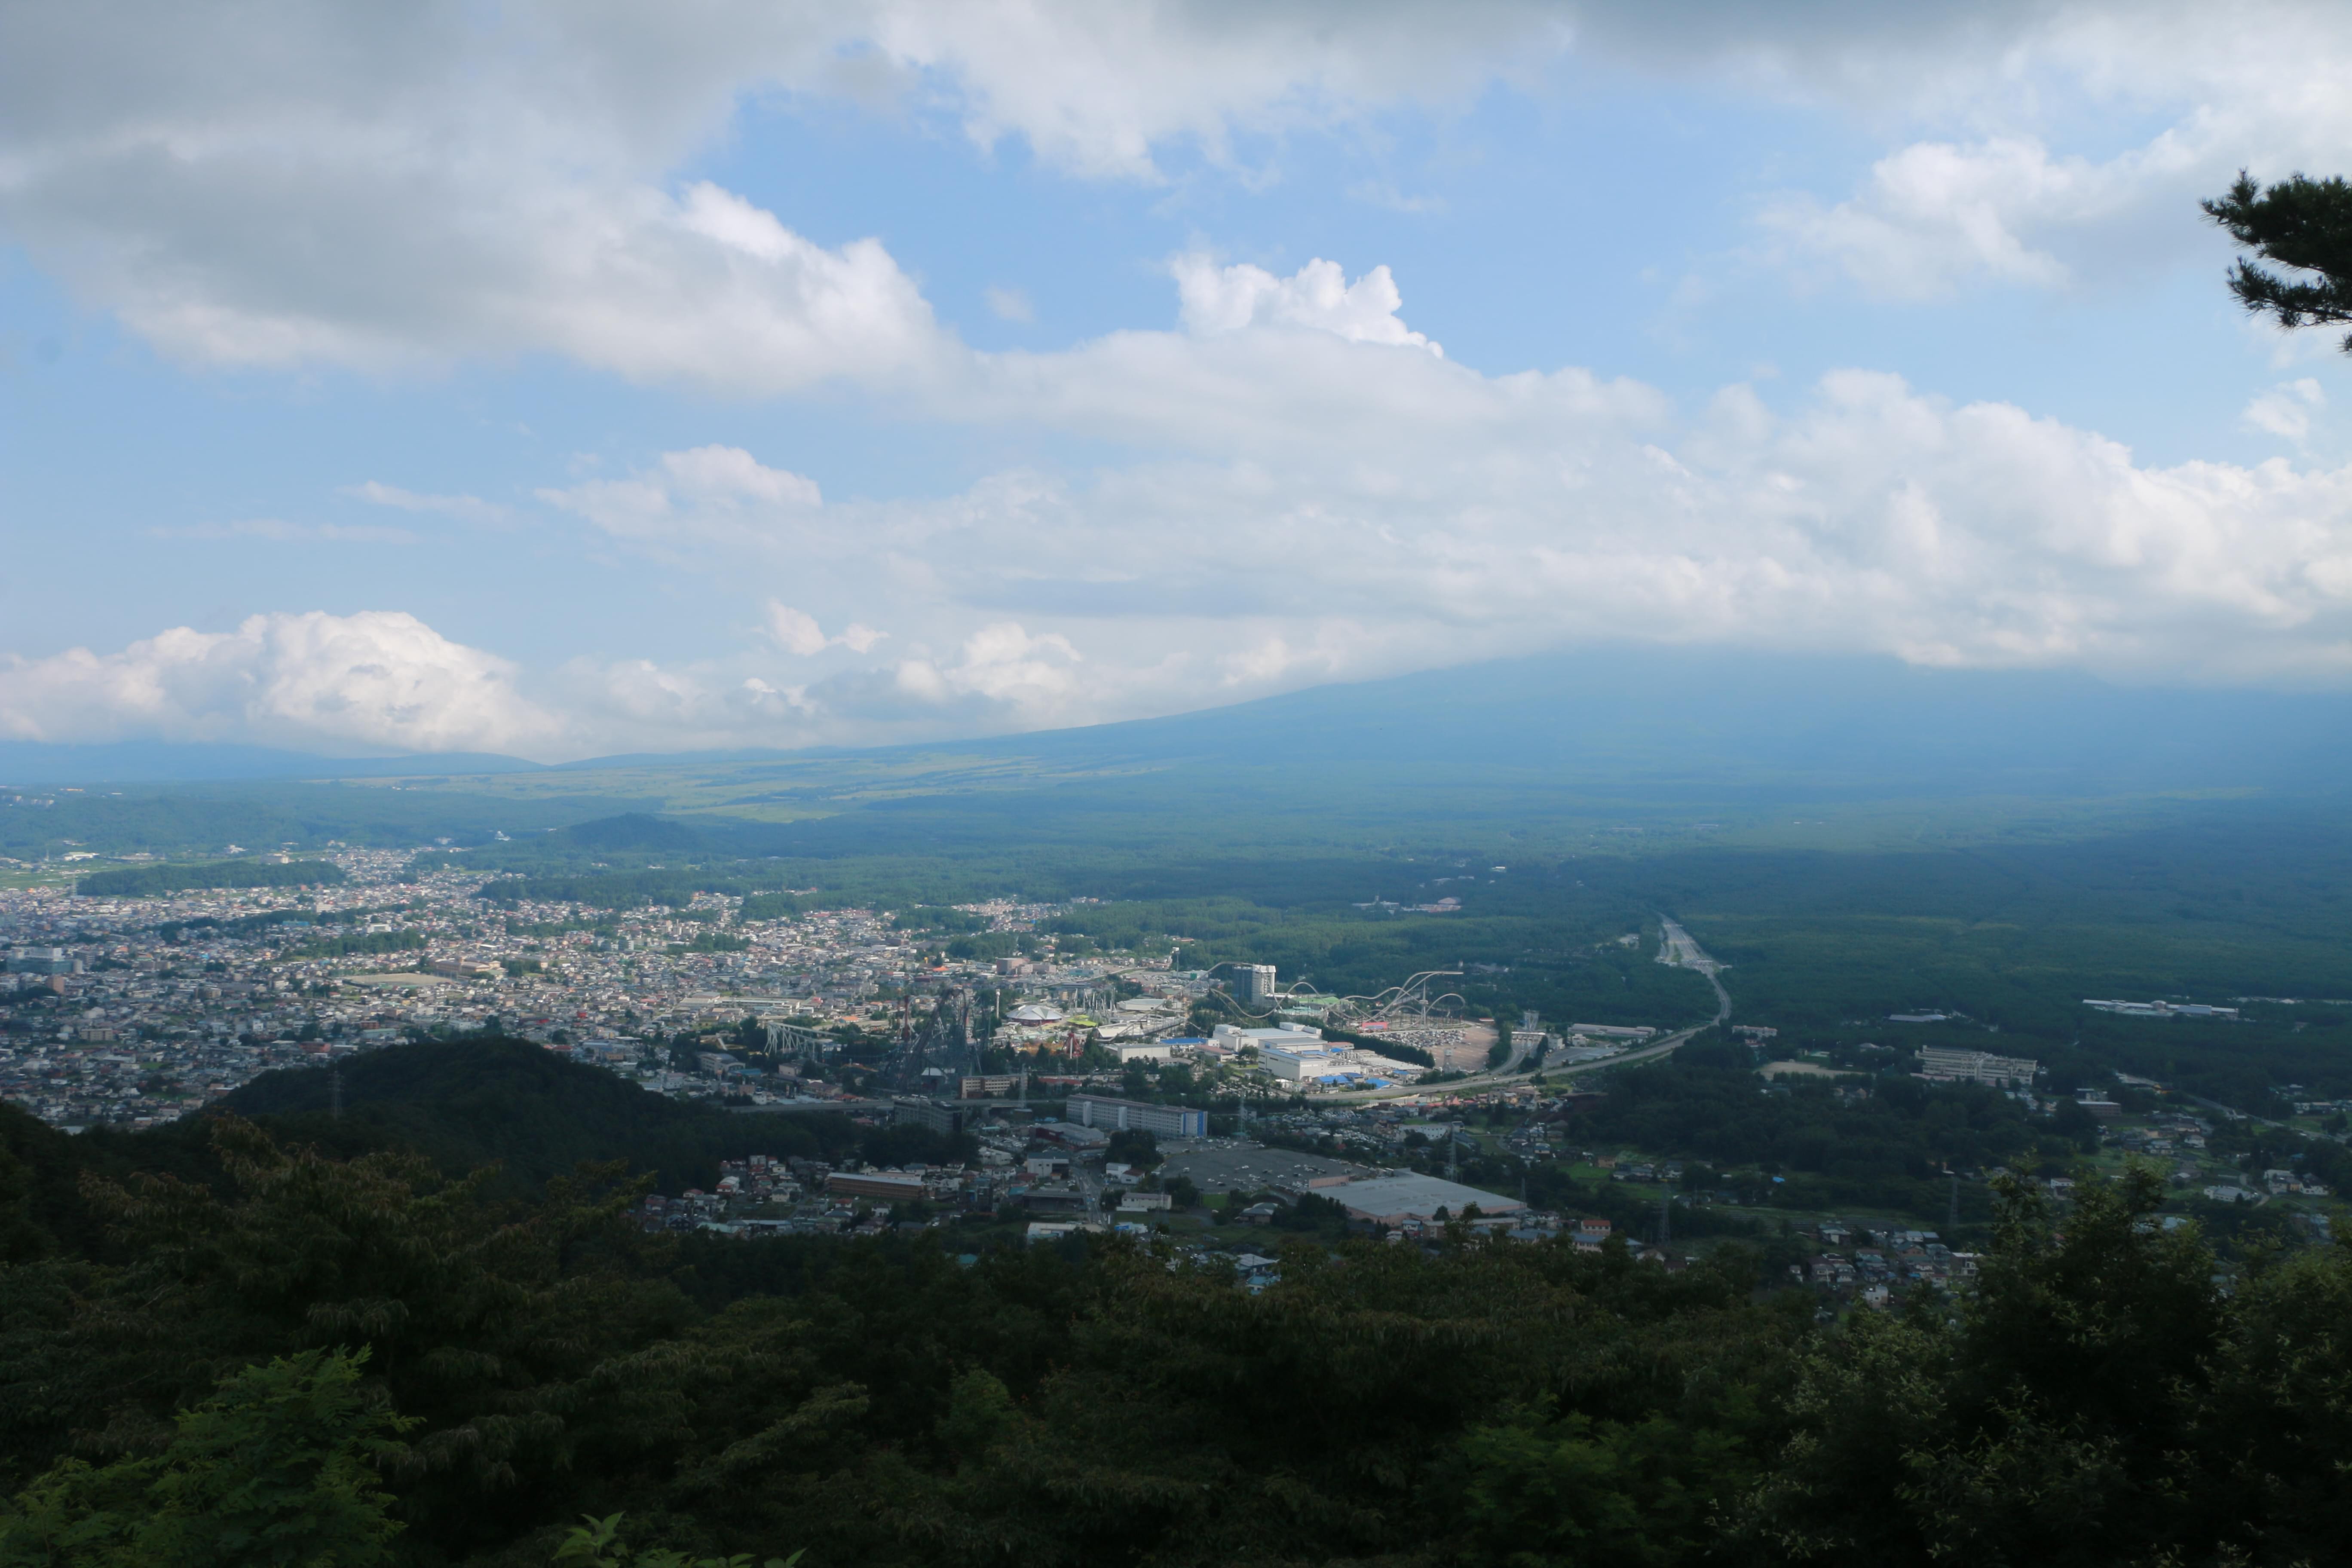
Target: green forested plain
[(2005, 913)]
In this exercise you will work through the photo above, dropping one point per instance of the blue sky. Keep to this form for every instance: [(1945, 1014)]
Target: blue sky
[(559, 380)]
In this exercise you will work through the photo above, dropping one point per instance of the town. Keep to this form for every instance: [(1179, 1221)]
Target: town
[(1089, 1093), (133, 1011)]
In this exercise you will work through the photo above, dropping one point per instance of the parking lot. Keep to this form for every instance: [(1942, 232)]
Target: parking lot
[(1251, 1167)]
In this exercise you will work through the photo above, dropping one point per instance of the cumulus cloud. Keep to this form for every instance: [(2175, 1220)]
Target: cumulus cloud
[(797, 632), (701, 290), (1866, 517), (375, 681), (1997, 196), (1326, 507), (1936, 215), (1301, 501), (1219, 299), (302, 182), (1003, 663), (1002, 677), (1869, 518), (298, 182), (1321, 507)]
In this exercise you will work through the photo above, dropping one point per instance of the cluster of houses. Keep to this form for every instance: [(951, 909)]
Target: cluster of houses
[(1877, 1267)]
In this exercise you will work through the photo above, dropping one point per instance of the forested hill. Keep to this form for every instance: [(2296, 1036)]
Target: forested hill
[(529, 1110), (463, 1105)]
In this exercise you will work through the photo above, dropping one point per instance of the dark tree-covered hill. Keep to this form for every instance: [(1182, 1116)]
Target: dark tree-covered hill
[(465, 1103), (461, 1104)]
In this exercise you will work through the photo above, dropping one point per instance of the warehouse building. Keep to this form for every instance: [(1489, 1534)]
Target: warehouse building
[(1395, 1200), (1120, 1115)]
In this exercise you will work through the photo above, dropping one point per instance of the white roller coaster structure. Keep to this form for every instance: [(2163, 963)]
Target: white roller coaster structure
[(1411, 999)]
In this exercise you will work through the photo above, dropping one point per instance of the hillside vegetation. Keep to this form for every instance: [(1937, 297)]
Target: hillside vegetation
[(488, 1372)]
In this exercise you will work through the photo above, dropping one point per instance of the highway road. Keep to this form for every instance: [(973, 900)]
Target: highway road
[(1679, 950)]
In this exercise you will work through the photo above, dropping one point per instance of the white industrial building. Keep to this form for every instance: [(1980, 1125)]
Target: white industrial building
[(1395, 1200)]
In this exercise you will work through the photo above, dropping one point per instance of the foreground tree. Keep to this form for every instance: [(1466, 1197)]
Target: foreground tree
[(2299, 222), (278, 1467), (2105, 1396)]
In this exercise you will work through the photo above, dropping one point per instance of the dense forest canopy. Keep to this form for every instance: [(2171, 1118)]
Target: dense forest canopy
[(133, 881), (437, 1374)]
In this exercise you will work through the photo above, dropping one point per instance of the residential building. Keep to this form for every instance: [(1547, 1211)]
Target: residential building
[(937, 1115)]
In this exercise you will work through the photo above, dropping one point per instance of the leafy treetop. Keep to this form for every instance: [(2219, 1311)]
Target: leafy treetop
[(2299, 222)]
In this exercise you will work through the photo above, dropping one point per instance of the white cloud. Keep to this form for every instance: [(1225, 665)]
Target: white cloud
[(729, 476), (380, 188), (1095, 88), (1007, 304), (1220, 299), (1323, 507), (1996, 193), (300, 182), (703, 290), (1497, 516), (465, 509), (1005, 662), (1319, 505), (797, 633), (375, 681), (707, 492), (2286, 409), (1014, 679), (1936, 215)]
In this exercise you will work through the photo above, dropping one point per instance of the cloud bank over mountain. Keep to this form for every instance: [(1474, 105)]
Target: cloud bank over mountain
[(1281, 479)]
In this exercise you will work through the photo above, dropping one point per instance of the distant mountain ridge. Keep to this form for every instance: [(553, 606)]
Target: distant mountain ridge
[(1705, 723), (1648, 719)]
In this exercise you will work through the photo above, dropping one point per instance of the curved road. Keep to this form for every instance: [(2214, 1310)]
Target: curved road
[(1679, 950)]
